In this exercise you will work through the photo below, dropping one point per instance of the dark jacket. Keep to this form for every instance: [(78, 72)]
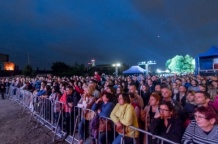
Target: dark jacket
[(172, 132), (74, 99), (2, 87), (183, 100), (145, 96)]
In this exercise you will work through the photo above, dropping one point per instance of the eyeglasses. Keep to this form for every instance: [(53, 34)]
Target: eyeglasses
[(164, 110), (199, 117)]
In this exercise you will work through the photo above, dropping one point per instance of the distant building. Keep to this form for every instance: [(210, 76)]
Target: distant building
[(93, 62)]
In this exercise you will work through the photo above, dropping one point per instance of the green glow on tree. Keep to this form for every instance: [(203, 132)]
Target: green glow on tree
[(180, 64)]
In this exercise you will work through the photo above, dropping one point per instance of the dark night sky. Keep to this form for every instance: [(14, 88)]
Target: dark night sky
[(126, 31)]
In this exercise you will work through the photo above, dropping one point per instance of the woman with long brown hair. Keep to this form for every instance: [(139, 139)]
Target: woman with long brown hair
[(148, 113)]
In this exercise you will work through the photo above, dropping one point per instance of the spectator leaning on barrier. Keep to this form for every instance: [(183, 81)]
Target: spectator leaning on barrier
[(42, 89), (104, 107), (148, 113), (123, 115), (55, 97), (72, 98), (166, 123), (86, 102), (204, 129)]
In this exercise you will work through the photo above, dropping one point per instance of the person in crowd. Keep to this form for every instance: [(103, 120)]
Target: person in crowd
[(189, 107), (175, 89), (42, 89), (141, 84), (2, 88), (167, 96), (202, 98), (37, 83), (166, 123), (7, 85), (124, 86), (213, 89), (150, 86), (57, 106), (136, 82), (47, 92), (185, 83), (123, 115), (202, 87), (145, 94), (119, 90), (157, 88), (148, 113), (111, 90), (116, 83), (93, 85), (47, 103), (194, 85), (155, 80), (97, 76), (134, 101), (72, 98), (179, 82), (87, 100), (104, 107), (202, 130), (129, 82), (78, 87), (132, 89), (180, 97)]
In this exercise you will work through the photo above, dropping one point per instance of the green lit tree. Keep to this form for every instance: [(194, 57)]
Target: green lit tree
[(180, 64)]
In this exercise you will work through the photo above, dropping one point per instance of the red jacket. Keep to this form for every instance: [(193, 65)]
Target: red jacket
[(63, 100), (79, 90)]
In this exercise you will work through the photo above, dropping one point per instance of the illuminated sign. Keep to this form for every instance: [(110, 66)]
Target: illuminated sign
[(9, 66)]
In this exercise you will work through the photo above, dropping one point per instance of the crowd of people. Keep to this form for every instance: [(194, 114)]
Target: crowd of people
[(183, 109)]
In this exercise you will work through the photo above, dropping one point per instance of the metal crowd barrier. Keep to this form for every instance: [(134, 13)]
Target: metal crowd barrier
[(64, 121)]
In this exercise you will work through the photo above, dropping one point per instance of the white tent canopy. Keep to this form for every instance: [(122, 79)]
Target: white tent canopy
[(134, 70)]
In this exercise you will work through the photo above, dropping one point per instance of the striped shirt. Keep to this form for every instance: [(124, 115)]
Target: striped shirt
[(195, 135)]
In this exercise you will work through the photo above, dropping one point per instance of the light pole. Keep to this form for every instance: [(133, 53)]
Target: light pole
[(146, 64), (116, 68)]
